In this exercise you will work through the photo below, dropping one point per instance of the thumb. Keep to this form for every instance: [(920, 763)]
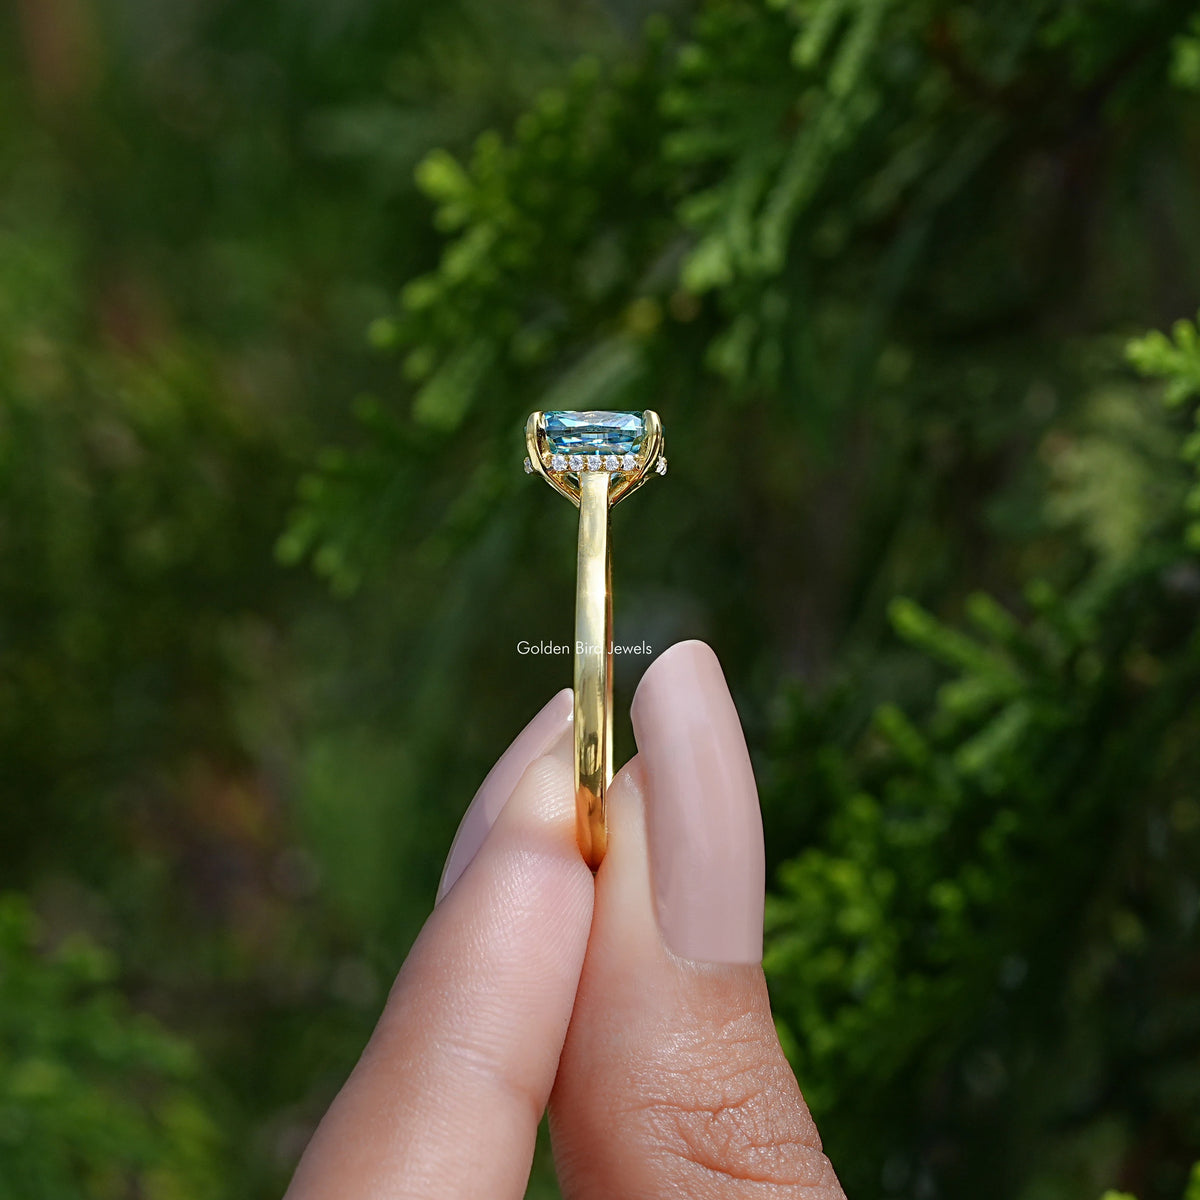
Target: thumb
[(672, 1080)]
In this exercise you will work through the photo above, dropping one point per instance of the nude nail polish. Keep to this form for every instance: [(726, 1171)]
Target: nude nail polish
[(539, 737), (702, 815)]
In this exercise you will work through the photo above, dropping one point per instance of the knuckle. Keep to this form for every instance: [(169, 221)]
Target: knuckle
[(727, 1109)]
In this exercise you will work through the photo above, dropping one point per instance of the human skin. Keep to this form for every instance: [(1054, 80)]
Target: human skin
[(632, 1004)]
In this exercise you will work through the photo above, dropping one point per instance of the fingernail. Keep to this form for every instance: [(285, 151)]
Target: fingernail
[(539, 737), (702, 814)]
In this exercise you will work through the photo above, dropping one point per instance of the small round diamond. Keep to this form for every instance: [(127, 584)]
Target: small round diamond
[(576, 462), (611, 462), (593, 462), (661, 465), (528, 467), (629, 462), (558, 462)]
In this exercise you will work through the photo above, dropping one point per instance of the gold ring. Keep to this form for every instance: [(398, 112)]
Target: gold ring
[(595, 459)]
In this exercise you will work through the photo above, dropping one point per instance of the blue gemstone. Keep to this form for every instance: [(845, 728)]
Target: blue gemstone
[(594, 432)]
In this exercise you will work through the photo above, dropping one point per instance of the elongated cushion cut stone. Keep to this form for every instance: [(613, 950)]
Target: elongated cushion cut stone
[(594, 432)]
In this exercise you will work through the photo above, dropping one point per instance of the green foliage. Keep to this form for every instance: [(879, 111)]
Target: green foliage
[(793, 161), (912, 948), (922, 922), (1185, 58), (1192, 1192), (1176, 360), (94, 1100), (874, 263), (1118, 477), (547, 235)]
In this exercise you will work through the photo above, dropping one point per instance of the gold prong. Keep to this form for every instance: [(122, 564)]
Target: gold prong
[(535, 445)]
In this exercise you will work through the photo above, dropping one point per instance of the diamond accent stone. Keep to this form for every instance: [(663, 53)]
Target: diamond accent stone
[(528, 467), (576, 462), (629, 462), (661, 465), (594, 432), (558, 462), (593, 462), (612, 463)]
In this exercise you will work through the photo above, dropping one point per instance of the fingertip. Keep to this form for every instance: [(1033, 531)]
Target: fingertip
[(530, 854), (543, 801), (542, 735), (691, 655)]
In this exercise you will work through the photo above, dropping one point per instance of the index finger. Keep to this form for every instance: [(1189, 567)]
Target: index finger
[(446, 1099)]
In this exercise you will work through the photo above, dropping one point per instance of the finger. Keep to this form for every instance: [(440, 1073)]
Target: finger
[(447, 1096), (672, 1080), (539, 737)]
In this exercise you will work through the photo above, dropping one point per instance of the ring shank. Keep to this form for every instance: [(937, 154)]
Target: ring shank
[(593, 667)]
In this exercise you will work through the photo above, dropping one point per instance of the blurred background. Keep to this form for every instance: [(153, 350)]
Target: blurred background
[(911, 286)]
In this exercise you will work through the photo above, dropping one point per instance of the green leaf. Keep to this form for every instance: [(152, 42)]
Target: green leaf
[(1175, 359), (444, 401)]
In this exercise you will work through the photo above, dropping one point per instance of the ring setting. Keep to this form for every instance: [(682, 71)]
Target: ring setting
[(570, 443), (595, 459)]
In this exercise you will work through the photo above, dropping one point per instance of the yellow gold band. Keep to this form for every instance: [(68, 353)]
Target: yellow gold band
[(593, 668)]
